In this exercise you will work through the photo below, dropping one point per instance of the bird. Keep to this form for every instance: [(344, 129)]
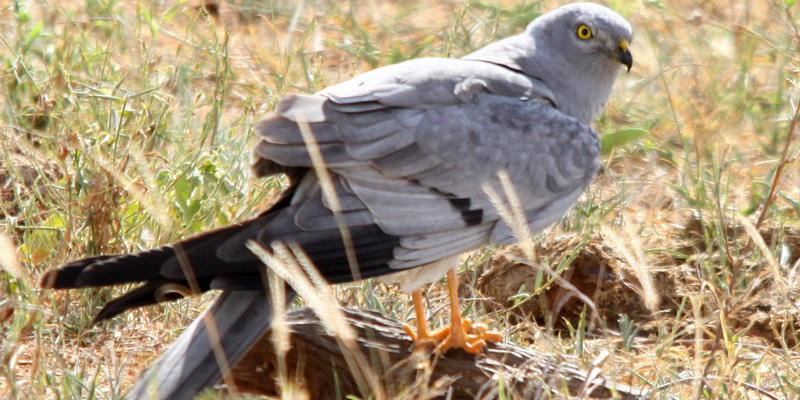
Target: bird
[(411, 151)]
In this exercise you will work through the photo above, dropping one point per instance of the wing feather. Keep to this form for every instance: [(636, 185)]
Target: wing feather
[(413, 144)]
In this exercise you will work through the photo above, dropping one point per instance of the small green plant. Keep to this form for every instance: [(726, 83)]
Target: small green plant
[(628, 329)]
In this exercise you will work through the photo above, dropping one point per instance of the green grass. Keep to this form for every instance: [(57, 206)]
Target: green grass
[(124, 126)]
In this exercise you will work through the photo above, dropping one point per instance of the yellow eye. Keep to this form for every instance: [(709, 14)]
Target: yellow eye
[(584, 32)]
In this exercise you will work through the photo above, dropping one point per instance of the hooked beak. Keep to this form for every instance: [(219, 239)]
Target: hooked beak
[(624, 55)]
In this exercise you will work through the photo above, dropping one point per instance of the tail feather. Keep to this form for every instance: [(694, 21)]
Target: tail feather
[(108, 270), (65, 276), (189, 364), (138, 297), (127, 268), (238, 282), (149, 265), (149, 294), (235, 268)]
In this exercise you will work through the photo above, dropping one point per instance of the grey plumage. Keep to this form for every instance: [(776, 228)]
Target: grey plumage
[(242, 318), (410, 147)]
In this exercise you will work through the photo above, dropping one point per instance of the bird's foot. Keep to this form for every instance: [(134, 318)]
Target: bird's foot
[(471, 338)]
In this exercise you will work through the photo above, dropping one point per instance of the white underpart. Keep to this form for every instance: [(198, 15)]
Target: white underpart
[(413, 279)]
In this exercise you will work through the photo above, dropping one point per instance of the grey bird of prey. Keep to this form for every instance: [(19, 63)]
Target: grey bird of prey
[(410, 148)]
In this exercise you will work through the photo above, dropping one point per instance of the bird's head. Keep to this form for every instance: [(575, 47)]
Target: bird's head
[(578, 51), (585, 33)]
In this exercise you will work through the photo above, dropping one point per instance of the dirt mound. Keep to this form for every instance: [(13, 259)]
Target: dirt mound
[(766, 307), (594, 268)]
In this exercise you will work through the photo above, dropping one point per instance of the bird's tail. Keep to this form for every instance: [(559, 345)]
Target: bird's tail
[(213, 342), (167, 273), (191, 363)]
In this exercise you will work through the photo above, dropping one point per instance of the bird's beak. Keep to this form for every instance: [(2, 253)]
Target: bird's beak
[(624, 55)]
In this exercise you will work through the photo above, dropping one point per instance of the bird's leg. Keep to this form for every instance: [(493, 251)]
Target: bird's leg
[(459, 334), (462, 333), (422, 334)]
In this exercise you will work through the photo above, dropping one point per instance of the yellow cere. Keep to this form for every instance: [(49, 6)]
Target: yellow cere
[(623, 45)]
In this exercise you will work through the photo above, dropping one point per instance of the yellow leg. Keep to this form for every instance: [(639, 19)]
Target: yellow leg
[(419, 309), (422, 334), (460, 333)]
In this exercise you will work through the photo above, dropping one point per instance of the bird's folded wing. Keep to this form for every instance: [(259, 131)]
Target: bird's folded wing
[(417, 150)]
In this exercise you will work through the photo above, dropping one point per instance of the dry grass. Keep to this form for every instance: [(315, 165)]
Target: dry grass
[(126, 125)]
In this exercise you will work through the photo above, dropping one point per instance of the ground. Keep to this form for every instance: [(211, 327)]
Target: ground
[(128, 125)]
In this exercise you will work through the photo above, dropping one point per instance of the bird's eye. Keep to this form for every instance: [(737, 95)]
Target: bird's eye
[(584, 32)]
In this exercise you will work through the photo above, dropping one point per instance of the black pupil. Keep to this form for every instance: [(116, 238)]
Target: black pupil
[(584, 31)]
